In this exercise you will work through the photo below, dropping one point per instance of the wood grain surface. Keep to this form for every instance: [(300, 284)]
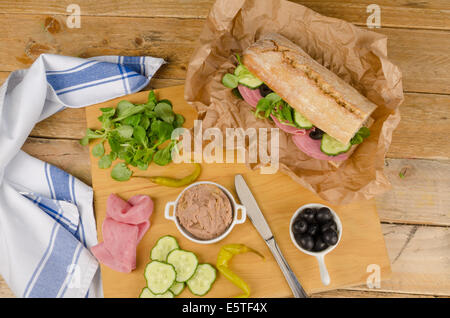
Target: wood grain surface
[(432, 14), (26, 38), (418, 41)]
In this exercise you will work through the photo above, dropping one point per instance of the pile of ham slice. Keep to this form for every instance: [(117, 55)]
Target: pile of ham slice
[(123, 228), (300, 137)]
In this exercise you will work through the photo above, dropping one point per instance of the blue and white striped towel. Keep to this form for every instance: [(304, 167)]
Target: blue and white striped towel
[(47, 223)]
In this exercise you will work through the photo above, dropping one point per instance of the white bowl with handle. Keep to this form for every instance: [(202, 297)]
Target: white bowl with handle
[(320, 256), (170, 213)]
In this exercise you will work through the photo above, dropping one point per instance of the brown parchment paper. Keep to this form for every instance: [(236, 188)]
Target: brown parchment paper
[(358, 56)]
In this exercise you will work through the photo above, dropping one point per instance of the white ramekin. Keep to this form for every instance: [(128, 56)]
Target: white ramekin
[(235, 207), (324, 276)]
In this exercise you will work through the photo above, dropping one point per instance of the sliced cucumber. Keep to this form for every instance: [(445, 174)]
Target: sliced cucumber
[(163, 247), (203, 279), (241, 70), (177, 288), (146, 293), (184, 262), (250, 81), (241, 76), (301, 121), (160, 276), (332, 147), (230, 80)]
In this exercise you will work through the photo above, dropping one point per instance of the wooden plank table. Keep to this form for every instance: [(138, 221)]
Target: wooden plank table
[(415, 214)]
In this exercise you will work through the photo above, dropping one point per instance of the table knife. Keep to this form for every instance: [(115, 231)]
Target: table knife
[(257, 218)]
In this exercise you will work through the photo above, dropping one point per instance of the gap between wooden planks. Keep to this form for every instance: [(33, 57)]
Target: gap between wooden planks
[(419, 197), (427, 113), (424, 113), (431, 14), (422, 55), (5, 292)]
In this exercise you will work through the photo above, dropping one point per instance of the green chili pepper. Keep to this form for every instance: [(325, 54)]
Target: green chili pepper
[(173, 182), (223, 261)]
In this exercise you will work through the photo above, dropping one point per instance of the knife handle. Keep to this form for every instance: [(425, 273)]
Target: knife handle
[(292, 280)]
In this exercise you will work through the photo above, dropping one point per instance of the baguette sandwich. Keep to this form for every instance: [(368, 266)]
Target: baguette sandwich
[(326, 116)]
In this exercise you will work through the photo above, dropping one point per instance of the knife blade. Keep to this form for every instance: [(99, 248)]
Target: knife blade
[(257, 218), (253, 212)]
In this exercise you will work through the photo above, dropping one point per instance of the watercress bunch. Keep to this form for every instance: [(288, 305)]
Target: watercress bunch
[(135, 134)]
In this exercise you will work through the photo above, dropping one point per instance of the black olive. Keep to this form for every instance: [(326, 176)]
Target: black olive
[(324, 215), (264, 90), (309, 210), (320, 245), (312, 229), (308, 215), (334, 226), (299, 226), (329, 226), (305, 241), (316, 134), (330, 237), (318, 130)]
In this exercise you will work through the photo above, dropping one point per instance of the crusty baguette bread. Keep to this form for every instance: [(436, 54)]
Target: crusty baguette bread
[(317, 93)]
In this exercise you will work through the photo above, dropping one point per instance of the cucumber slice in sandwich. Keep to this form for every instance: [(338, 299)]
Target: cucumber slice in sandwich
[(203, 279), (301, 121), (230, 80), (163, 247), (177, 288), (146, 293), (250, 81), (241, 70), (333, 147), (184, 262), (241, 76), (160, 277)]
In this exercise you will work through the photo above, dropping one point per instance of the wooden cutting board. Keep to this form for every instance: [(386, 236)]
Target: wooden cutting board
[(362, 242)]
